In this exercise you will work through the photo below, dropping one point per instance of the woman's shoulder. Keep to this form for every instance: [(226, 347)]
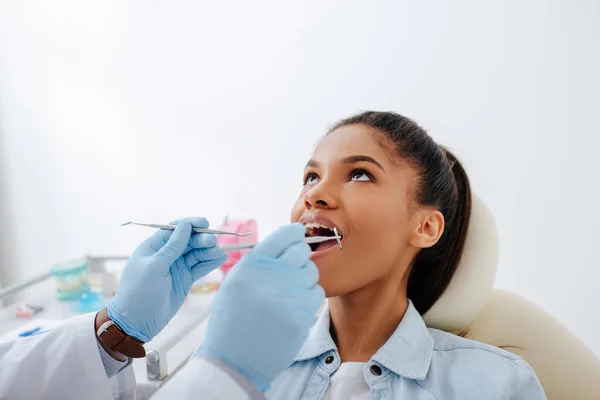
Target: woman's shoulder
[(467, 364), (448, 342)]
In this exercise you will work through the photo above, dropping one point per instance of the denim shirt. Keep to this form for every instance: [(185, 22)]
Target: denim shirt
[(415, 363)]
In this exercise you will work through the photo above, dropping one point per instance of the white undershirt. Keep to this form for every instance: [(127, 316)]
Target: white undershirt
[(348, 383)]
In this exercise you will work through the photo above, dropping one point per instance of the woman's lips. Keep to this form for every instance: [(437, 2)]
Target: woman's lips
[(323, 249)]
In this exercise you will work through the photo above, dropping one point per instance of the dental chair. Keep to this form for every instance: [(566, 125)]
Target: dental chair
[(472, 308)]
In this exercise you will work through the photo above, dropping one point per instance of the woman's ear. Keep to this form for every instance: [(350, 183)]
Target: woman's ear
[(427, 228)]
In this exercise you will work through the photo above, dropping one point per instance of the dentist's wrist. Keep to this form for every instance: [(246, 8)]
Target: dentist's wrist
[(101, 318)]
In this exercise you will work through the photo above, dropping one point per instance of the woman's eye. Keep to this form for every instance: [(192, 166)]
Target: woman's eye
[(311, 179), (360, 175)]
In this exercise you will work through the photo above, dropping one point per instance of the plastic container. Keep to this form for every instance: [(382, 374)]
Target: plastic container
[(72, 280), (87, 303)]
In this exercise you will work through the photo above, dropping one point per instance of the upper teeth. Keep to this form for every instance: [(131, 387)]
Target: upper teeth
[(316, 225)]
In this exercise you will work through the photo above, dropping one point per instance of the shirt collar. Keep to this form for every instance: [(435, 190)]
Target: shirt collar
[(407, 352), (319, 339)]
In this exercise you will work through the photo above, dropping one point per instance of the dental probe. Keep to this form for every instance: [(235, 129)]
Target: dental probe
[(307, 240), (197, 230)]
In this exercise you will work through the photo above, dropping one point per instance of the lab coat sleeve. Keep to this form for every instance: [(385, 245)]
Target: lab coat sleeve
[(111, 366), (525, 383), (206, 378), (61, 364)]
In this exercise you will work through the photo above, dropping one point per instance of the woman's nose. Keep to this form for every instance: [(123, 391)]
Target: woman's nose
[(320, 197)]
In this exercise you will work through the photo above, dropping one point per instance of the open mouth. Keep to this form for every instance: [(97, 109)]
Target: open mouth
[(316, 229)]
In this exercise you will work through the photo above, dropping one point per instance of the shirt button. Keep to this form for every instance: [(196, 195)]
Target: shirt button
[(375, 370), (329, 360)]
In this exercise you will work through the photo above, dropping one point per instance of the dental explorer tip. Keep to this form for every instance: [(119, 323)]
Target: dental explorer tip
[(337, 237)]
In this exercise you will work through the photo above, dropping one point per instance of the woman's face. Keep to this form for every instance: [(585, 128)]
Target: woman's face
[(356, 183)]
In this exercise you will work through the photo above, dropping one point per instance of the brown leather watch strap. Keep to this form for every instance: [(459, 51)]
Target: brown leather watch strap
[(117, 340)]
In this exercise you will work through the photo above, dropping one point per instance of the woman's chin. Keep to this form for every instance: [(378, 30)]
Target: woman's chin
[(330, 285)]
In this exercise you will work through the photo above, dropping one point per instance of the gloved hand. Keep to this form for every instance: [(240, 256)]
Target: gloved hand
[(262, 313), (159, 275)]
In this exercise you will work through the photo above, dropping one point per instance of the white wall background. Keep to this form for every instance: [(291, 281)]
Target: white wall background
[(112, 111)]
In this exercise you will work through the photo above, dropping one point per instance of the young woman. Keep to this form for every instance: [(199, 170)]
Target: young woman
[(402, 205)]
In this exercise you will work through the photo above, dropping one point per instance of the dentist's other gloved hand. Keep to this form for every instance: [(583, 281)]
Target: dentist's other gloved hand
[(159, 275), (262, 313)]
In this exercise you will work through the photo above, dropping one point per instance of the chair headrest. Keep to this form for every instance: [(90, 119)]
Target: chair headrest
[(473, 280)]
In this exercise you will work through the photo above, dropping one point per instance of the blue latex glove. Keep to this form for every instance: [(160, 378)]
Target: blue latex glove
[(262, 313), (159, 275)]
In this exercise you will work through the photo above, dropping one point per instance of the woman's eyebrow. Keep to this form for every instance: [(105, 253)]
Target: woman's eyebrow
[(349, 160), (361, 158), (311, 163)]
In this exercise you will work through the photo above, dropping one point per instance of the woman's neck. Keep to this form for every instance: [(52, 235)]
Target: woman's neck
[(362, 321)]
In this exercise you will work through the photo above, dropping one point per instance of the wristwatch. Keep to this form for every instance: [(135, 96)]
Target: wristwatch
[(114, 338)]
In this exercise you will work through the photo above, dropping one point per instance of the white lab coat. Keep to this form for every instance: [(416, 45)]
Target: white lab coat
[(65, 364)]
